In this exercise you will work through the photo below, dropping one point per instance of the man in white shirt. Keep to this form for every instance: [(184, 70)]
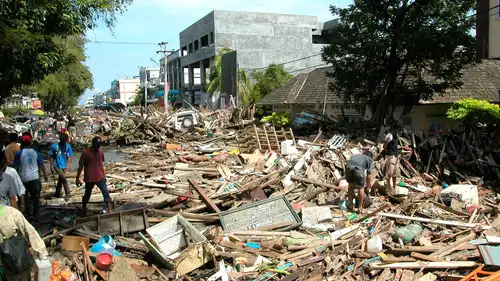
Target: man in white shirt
[(12, 190)]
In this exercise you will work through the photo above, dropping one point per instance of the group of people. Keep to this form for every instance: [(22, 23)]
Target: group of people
[(58, 124), (21, 167), (359, 170)]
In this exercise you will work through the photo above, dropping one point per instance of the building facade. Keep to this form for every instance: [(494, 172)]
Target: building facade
[(488, 29), (123, 91), (260, 39), (176, 75)]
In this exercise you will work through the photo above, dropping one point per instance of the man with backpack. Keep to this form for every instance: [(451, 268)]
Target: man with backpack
[(29, 163), (16, 231), (60, 163)]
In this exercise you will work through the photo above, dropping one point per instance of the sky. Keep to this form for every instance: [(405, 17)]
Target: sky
[(152, 21)]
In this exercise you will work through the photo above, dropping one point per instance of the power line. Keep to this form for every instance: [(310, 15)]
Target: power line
[(121, 42), (314, 66)]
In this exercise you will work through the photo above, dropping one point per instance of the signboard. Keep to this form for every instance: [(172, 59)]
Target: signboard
[(259, 214), (36, 104)]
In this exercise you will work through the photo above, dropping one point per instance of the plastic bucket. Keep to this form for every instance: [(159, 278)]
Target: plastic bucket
[(374, 245), (104, 260)]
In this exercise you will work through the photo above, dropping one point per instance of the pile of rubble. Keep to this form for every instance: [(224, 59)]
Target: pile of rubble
[(256, 203)]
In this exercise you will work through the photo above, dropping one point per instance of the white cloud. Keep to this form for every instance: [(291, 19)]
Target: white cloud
[(199, 8)]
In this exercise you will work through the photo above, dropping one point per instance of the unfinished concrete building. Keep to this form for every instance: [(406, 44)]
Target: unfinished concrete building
[(260, 39)]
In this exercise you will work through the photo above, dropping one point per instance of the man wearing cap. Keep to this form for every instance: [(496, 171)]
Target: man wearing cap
[(29, 163), (91, 162), (391, 159), (357, 173)]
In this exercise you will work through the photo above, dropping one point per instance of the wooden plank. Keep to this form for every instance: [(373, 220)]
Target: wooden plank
[(454, 246), (318, 183), (426, 257), (210, 204), (267, 137), (257, 136), (427, 265), (434, 221), (277, 141)]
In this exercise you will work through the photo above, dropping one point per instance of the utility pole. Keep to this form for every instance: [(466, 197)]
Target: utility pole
[(146, 96), (165, 72)]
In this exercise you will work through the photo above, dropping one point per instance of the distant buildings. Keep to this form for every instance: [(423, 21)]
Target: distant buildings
[(121, 93), (259, 39), (89, 102)]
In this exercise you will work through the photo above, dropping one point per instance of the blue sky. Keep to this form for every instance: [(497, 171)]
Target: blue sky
[(153, 21)]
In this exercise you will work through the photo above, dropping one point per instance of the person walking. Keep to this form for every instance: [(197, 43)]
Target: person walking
[(71, 126), (14, 224), (60, 163), (392, 171), (92, 164), (29, 163), (12, 148), (357, 173), (41, 129), (12, 190)]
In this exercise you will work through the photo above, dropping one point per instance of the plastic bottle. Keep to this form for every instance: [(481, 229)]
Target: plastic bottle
[(407, 233), (43, 269)]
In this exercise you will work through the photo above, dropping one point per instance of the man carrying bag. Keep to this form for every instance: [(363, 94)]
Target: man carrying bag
[(15, 233)]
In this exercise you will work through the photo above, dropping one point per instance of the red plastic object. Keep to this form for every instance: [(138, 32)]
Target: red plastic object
[(103, 260)]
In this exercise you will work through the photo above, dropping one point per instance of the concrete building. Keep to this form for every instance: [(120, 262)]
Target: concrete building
[(21, 101), (89, 102), (100, 100), (488, 29), (123, 91), (177, 76), (260, 39), (150, 77)]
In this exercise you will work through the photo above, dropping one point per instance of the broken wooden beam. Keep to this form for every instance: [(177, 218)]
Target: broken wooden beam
[(318, 183), (203, 196), (434, 221)]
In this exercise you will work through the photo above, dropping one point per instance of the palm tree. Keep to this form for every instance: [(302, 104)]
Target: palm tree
[(243, 84)]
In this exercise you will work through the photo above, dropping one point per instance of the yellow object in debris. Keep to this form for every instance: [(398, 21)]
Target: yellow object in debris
[(235, 152)]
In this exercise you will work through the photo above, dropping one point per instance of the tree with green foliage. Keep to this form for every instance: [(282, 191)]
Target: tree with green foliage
[(63, 88), (28, 51), (243, 84), (268, 80), (399, 51), (277, 119), (474, 112), (139, 97)]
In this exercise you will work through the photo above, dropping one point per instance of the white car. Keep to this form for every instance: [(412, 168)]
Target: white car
[(184, 120)]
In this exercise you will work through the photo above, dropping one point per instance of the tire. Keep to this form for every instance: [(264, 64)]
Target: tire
[(187, 122)]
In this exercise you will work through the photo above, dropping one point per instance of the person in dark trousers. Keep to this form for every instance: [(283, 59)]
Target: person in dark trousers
[(60, 163), (357, 173), (92, 164), (29, 163)]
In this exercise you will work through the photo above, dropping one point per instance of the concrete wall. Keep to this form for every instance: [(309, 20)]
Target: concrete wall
[(494, 31), (203, 27), (262, 39), (430, 117)]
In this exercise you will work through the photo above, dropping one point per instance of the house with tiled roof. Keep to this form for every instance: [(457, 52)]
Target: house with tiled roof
[(310, 91)]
